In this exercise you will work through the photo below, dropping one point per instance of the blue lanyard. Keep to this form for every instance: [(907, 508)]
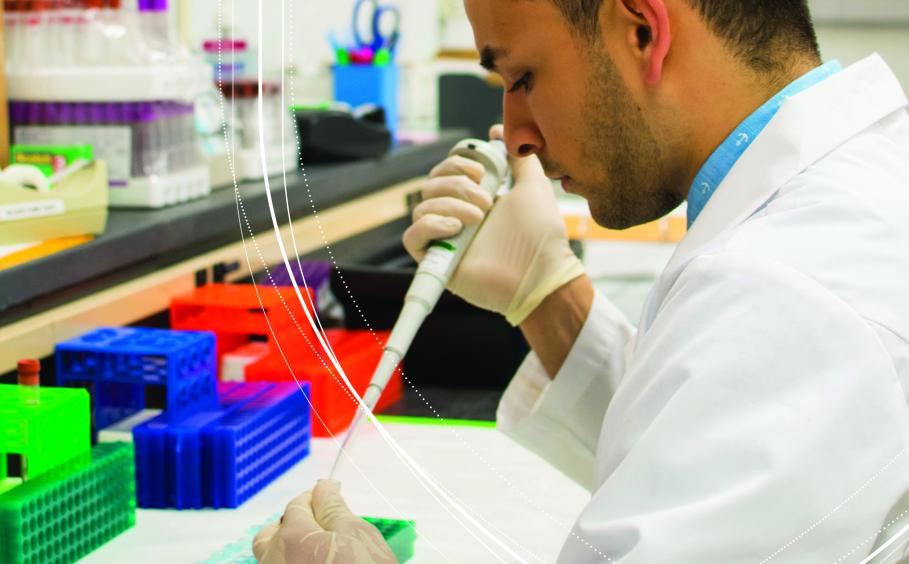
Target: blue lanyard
[(724, 158)]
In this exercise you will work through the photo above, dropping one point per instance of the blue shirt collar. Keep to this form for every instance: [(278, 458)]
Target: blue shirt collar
[(724, 158)]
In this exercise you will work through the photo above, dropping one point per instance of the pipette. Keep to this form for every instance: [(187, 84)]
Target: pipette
[(442, 259)]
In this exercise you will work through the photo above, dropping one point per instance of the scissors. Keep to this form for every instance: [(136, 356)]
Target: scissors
[(379, 37)]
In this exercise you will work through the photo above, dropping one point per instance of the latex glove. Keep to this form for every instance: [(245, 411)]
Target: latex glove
[(521, 253), (318, 527)]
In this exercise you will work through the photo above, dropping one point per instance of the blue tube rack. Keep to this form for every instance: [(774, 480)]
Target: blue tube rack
[(221, 457), (117, 364)]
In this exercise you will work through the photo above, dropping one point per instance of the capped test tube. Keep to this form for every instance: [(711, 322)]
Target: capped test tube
[(29, 372), (157, 34), (33, 33), (11, 32)]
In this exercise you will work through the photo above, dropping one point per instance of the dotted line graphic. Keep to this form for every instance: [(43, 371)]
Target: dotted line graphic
[(872, 537), (838, 507), (242, 210)]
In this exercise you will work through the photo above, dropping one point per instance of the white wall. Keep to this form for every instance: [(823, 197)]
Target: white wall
[(306, 25), (308, 21), (850, 42)]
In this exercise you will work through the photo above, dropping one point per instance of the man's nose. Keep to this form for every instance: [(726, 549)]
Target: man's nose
[(522, 136)]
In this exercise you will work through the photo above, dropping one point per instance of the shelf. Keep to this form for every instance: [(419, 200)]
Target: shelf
[(95, 84)]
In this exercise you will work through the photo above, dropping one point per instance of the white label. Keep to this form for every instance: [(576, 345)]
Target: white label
[(27, 210), (112, 143), (437, 262)]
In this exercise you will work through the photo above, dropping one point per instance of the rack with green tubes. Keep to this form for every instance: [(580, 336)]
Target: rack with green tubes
[(70, 510), (45, 427), (400, 536)]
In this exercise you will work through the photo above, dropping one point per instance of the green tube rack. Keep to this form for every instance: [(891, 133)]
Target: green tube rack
[(46, 427), (400, 536), (69, 511)]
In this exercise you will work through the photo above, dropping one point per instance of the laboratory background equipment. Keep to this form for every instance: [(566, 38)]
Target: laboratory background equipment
[(335, 134), (277, 128), (383, 23), (98, 73), (441, 260), (76, 205), (230, 58), (365, 71)]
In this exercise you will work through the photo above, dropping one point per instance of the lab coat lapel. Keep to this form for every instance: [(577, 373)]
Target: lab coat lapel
[(808, 126)]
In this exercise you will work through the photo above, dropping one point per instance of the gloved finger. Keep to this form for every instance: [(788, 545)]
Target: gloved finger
[(299, 518), (329, 507), (468, 214), (459, 166), (263, 540), (429, 228), (459, 187)]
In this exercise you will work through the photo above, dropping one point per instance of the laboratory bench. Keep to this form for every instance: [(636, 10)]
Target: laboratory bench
[(460, 362), (129, 275)]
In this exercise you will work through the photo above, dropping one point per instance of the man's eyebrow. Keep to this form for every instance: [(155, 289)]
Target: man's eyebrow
[(489, 56)]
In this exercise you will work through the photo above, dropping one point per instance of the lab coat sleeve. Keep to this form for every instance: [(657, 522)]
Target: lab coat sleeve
[(559, 419), (760, 420)]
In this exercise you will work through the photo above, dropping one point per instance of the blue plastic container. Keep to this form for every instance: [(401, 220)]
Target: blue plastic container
[(118, 363), (257, 442), (222, 457), (369, 84)]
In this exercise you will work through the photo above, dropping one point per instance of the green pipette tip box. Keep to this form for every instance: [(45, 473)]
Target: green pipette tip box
[(65, 514)]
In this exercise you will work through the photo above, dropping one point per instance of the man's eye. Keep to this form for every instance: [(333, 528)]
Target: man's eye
[(523, 82)]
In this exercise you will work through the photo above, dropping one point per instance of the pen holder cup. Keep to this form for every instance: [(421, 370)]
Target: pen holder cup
[(369, 84)]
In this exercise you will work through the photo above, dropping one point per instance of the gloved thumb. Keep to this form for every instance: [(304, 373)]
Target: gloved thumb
[(328, 506), (519, 166)]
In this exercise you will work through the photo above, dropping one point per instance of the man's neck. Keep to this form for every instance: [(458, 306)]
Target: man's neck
[(736, 95)]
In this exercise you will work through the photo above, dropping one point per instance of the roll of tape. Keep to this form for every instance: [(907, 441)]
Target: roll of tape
[(26, 175)]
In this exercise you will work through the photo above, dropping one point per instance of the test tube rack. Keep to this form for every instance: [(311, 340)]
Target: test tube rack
[(45, 427), (66, 513), (76, 49), (118, 363), (68, 498), (400, 536), (237, 312), (151, 148), (221, 457), (313, 274), (334, 406)]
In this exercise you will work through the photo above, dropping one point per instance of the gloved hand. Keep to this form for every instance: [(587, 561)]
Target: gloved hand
[(317, 527), (519, 256)]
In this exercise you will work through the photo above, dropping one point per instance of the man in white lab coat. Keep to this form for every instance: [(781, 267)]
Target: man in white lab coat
[(758, 413)]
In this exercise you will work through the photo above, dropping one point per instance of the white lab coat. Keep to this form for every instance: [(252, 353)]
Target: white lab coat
[(759, 413)]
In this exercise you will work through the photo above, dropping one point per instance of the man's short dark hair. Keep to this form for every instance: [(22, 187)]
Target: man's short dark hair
[(766, 34)]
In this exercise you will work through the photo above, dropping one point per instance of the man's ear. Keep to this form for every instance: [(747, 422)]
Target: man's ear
[(652, 35)]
